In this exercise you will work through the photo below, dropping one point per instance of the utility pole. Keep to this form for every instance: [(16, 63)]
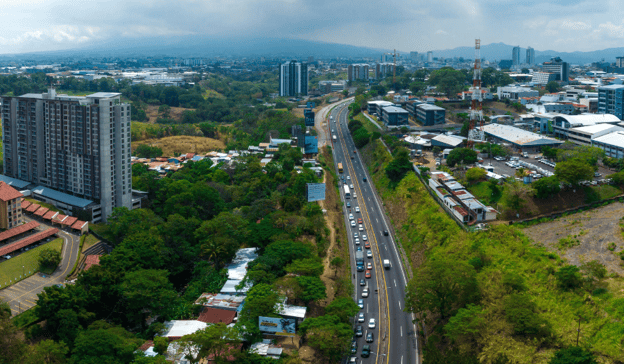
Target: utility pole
[(475, 132)]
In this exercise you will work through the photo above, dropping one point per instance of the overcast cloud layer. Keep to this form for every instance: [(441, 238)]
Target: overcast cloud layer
[(560, 25)]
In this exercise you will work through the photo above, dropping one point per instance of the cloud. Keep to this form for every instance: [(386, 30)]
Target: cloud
[(441, 32), (575, 25)]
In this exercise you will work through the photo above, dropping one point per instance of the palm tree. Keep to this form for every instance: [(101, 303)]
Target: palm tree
[(213, 251)]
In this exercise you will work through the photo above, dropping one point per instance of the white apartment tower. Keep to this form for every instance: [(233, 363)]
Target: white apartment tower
[(293, 79), (76, 145), (530, 56), (515, 56)]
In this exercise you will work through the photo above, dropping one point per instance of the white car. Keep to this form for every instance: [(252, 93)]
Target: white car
[(369, 265), (357, 241), (364, 237), (355, 235), (369, 254), (365, 292), (371, 323), (350, 216), (351, 186), (361, 227), (361, 317), (352, 223), (357, 208), (348, 178)]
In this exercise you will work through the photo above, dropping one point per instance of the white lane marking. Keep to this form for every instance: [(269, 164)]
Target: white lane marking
[(401, 359), (395, 283), (401, 331), (377, 220), (367, 308), (399, 304)]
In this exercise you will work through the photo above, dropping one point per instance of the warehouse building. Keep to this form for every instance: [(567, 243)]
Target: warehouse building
[(519, 139), (585, 134), (612, 144)]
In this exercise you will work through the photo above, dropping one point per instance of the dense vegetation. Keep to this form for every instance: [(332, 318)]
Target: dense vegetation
[(496, 296), (166, 255)]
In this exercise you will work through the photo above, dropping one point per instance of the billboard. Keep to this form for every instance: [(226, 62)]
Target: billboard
[(309, 117), (277, 326), (316, 192), (310, 105)]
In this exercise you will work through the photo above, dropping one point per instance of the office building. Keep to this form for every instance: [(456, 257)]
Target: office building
[(530, 56), (619, 62), (394, 116), (611, 100), (78, 146), (560, 68), (357, 72), (326, 87), (383, 70), (542, 78), (429, 115), (293, 79), (430, 56), (515, 56), (10, 206), (515, 92)]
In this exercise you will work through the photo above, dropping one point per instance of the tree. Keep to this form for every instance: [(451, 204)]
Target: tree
[(104, 344), (568, 277), (552, 87), (215, 341), (461, 156), (440, 286), (546, 187), (261, 301), (147, 151), (147, 289), (399, 166), (436, 150), (49, 258), (336, 262), (307, 267), (516, 194), (549, 152), (47, 352), (160, 345), (313, 289), (617, 178), (475, 174), (574, 171), (343, 308), (573, 355), (327, 334), (520, 311), (466, 324), (12, 347)]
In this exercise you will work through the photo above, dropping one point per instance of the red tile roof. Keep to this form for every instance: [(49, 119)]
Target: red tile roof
[(215, 315), (460, 210), (146, 345), (41, 211), (18, 230), (8, 193), (49, 215), (70, 220), (33, 207), (25, 204), (92, 260), (78, 225), (27, 241)]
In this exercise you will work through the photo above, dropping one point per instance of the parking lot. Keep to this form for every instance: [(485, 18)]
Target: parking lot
[(500, 167)]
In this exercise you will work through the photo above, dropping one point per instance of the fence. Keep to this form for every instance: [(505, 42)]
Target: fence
[(19, 275)]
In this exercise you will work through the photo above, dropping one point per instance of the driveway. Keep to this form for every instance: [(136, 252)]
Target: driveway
[(23, 295)]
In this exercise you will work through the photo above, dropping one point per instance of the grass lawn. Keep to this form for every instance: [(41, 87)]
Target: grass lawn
[(43, 204), (598, 193), (367, 124), (183, 144), (12, 268), (101, 229), (483, 193)]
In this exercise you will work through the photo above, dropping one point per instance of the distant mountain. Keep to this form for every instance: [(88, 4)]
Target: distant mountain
[(499, 51), (200, 46)]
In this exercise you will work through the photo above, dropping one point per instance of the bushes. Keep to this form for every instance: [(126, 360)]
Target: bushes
[(568, 277), (520, 312), (461, 156), (547, 187)]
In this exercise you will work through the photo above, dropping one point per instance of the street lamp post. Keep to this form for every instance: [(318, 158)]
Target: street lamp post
[(23, 272)]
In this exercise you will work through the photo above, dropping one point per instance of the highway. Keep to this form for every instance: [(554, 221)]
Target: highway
[(395, 339)]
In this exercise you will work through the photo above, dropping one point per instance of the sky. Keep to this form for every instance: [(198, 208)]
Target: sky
[(407, 25)]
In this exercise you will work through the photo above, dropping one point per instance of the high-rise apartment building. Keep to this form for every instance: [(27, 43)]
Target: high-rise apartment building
[(357, 72), (383, 70), (79, 146), (515, 56), (293, 80), (560, 68), (530, 56), (619, 62), (611, 100), (430, 56)]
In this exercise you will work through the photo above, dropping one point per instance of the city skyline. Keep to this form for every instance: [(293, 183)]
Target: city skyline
[(574, 26)]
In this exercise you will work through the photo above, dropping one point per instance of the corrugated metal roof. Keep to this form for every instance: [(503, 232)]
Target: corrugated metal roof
[(615, 139), (593, 129), (451, 140), (589, 119), (518, 136)]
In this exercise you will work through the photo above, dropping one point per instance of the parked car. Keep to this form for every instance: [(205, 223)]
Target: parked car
[(354, 346), (358, 331)]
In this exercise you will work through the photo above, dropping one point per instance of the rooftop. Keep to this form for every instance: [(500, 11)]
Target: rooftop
[(518, 136), (103, 95), (17, 183), (222, 301), (216, 315), (7, 234), (27, 241), (292, 311), (611, 87), (589, 119), (452, 140), (179, 328), (597, 128), (430, 107), (394, 109), (615, 139), (61, 197), (8, 193)]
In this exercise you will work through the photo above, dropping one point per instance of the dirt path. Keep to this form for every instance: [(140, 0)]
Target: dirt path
[(328, 273), (590, 233)]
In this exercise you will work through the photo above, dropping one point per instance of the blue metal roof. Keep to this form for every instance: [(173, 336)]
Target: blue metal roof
[(17, 183), (61, 197)]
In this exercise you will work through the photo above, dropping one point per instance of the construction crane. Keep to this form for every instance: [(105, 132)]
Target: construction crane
[(395, 54), (475, 132)]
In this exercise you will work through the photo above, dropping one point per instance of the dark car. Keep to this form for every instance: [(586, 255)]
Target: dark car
[(358, 331), (353, 347), (364, 179), (362, 282), (366, 351), (348, 205), (359, 248), (385, 232), (360, 268), (369, 337)]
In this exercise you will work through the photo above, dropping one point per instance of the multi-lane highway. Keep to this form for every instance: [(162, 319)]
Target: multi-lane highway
[(395, 339)]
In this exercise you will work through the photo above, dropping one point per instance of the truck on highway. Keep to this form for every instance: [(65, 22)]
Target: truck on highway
[(386, 263), (359, 260), (334, 137)]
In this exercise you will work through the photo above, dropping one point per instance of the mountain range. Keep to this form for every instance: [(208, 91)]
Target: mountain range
[(204, 46)]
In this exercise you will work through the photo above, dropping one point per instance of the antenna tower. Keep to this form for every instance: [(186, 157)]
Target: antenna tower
[(475, 132)]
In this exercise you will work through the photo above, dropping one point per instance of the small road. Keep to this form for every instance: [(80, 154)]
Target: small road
[(23, 295), (321, 123)]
